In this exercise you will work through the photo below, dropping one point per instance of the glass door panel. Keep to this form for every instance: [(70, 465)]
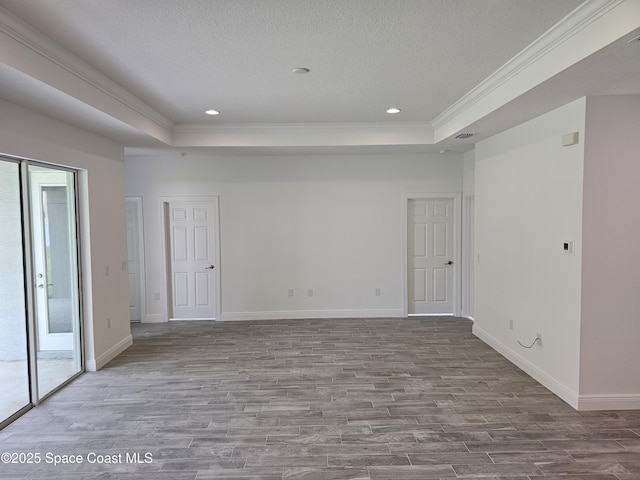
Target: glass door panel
[(55, 265), (14, 369)]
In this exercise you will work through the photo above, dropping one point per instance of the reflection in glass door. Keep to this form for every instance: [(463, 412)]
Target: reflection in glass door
[(14, 369), (40, 341), (55, 269)]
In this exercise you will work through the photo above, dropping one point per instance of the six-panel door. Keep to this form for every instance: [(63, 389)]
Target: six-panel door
[(430, 256), (192, 260)]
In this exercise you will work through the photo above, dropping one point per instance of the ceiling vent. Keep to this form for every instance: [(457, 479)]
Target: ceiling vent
[(463, 135)]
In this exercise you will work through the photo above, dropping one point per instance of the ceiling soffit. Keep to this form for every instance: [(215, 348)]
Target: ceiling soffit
[(591, 27)]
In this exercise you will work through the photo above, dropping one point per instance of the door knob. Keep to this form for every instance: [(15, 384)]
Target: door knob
[(40, 285), (210, 267), (450, 262)]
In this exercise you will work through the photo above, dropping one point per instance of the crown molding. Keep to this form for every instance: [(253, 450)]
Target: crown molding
[(100, 85), (302, 134), (591, 26), (49, 63), (380, 126), (451, 120)]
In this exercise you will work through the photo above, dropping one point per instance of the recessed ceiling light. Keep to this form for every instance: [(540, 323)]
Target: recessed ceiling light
[(301, 70), (211, 111), (393, 110)]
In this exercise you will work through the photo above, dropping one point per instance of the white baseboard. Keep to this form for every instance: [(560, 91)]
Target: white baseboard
[(301, 314), (154, 318), (93, 365), (579, 402), (609, 402), (192, 319), (541, 376)]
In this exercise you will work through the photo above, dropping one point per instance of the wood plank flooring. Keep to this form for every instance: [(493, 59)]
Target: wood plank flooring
[(417, 398)]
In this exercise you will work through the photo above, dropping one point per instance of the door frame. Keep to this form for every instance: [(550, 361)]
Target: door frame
[(468, 256), (457, 248), (142, 275), (82, 345), (214, 201)]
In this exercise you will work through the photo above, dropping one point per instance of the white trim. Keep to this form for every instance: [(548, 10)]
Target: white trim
[(587, 29), (572, 24), (305, 314), (106, 357), (467, 257), (415, 127), (142, 273), (590, 27), (70, 74), (187, 319), (27, 36), (322, 134), (214, 200), (609, 402), (86, 275), (457, 246), (154, 318), (562, 391)]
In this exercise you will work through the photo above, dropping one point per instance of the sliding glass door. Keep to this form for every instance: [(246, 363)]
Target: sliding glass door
[(14, 368), (40, 341), (55, 269)]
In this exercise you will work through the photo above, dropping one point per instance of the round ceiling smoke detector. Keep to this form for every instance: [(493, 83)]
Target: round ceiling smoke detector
[(301, 70)]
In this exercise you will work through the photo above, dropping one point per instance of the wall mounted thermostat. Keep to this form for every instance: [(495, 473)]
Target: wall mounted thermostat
[(568, 246)]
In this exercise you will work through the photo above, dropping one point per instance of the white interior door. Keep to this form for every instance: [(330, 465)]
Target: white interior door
[(430, 249), (192, 257)]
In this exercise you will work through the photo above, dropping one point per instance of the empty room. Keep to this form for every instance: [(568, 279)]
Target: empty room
[(319, 239)]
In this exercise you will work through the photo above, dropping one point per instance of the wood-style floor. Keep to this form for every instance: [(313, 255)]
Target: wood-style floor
[(417, 398)]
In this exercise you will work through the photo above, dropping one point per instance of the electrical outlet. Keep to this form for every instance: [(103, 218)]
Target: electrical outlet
[(511, 324), (107, 270), (377, 292), (108, 323), (290, 292), (310, 292), (539, 339)]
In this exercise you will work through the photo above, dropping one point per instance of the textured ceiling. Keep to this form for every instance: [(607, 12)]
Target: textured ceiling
[(183, 56)]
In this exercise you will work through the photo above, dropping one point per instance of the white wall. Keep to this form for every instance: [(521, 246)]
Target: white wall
[(610, 330), (469, 172), (327, 223), (532, 195), (528, 201), (102, 204), (468, 230)]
